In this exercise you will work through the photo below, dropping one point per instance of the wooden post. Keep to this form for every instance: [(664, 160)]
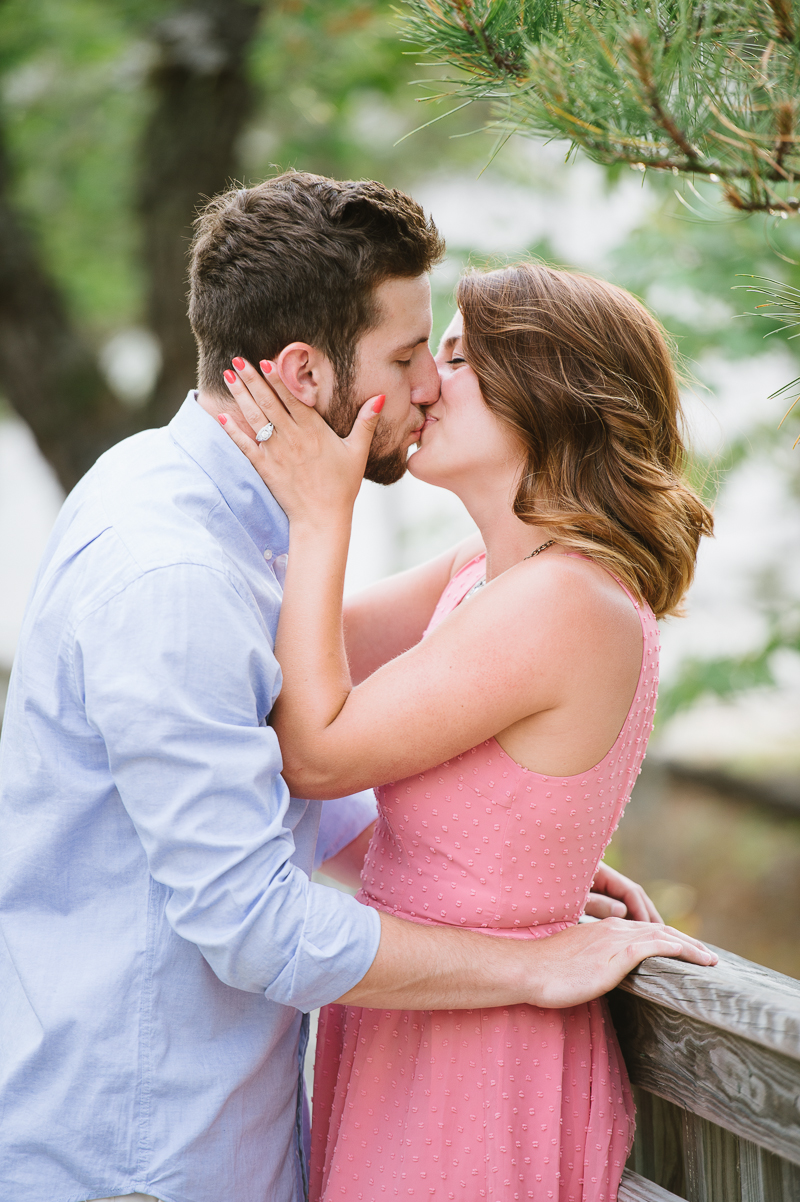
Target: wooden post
[(714, 1058)]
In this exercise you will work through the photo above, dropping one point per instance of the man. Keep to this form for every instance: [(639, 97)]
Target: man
[(161, 935)]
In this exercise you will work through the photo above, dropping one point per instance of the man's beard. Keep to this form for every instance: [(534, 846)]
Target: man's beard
[(386, 462)]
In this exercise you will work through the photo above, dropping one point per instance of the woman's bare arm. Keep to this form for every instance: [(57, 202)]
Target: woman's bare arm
[(334, 537), (543, 631), (440, 698)]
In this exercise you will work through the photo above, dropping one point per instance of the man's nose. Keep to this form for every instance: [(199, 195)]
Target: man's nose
[(430, 398), (426, 386)]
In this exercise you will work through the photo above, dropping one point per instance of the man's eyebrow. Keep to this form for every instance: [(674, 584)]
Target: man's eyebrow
[(409, 346)]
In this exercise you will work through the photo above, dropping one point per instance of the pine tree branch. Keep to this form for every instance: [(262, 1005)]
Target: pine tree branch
[(759, 204), (782, 14), (786, 121), (642, 61), (477, 31), (630, 81), (746, 141)]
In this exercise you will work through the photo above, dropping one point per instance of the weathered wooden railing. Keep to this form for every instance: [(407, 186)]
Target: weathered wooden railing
[(714, 1057)]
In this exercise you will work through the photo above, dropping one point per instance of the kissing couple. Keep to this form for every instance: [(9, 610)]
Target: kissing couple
[(195, 720)]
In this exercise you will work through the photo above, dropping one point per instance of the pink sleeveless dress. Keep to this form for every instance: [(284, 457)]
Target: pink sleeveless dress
[(492, 1105)]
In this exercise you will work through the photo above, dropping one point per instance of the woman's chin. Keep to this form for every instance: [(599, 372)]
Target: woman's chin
[(423, 468), (415, 465)]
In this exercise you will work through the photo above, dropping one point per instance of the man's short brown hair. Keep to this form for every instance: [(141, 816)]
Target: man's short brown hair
[(297, 258)]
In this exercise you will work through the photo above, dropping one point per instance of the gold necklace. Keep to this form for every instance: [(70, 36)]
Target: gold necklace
[(480, 583)]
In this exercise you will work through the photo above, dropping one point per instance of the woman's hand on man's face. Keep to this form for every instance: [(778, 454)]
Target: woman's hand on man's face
[(310, 471)]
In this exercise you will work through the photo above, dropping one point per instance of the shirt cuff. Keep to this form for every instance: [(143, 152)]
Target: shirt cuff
[(343, 819), (338, 944)]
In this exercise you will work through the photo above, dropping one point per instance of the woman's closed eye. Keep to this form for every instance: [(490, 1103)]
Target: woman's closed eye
[(455, 361)]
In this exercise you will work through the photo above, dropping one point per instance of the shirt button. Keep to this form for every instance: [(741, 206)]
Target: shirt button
[(268, 555)]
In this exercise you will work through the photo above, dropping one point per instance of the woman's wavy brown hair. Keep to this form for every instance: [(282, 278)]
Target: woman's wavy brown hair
[(584, 376)]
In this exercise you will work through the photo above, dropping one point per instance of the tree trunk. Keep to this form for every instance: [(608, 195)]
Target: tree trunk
[(48, 370), (188, 153)]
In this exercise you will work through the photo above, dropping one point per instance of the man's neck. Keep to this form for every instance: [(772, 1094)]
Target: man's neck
[(215, 405)]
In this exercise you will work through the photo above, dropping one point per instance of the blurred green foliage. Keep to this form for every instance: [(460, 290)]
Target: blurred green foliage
[(336, 94), (726, 676), (705, 249), (73, 103)]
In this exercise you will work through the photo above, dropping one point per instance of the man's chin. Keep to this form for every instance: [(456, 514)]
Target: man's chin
[(387, 460), (387, 468)]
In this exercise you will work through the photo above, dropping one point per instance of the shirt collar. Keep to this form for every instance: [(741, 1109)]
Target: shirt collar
[(243, 490)]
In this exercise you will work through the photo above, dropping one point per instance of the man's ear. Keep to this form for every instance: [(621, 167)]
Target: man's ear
[(307, 373)]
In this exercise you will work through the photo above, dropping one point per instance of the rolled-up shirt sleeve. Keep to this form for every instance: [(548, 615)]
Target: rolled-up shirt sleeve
[(178, 678)]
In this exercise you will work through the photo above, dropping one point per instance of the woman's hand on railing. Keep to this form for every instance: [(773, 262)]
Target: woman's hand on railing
[(616, 896)]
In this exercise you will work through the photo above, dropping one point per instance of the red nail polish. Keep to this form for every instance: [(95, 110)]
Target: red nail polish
[(238, 363), (378, 403), (222, 419), (265, 366), (230, 377)]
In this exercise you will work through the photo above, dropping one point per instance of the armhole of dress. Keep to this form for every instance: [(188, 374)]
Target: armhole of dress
[(644, 613), (454, 593)]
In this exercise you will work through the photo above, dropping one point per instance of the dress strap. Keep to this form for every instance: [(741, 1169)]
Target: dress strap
[(457, 589), (634, 600)]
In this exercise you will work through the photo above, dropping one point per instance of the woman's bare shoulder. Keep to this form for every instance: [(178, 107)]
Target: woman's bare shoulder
[(560, 604), (577, 581)]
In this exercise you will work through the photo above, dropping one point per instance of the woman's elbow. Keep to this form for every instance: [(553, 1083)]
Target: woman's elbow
[(318, 781)]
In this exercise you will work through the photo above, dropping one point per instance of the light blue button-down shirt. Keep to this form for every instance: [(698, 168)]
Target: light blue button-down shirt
[(159, 933)]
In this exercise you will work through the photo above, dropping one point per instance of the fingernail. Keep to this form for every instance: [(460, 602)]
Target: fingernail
[(378, 404), (265, 366), (230, 377), (222, 419), (238, 363)]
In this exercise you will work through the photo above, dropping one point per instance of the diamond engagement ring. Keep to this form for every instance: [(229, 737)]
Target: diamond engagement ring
[(265, 432)]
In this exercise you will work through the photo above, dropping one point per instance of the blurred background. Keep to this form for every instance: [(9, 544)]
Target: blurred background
[(117, 117)]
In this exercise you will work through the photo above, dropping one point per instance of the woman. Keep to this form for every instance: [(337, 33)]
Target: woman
[(506, 741)]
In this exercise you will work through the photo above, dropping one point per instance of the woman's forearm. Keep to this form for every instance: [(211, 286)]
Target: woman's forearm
[(310, 644)]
